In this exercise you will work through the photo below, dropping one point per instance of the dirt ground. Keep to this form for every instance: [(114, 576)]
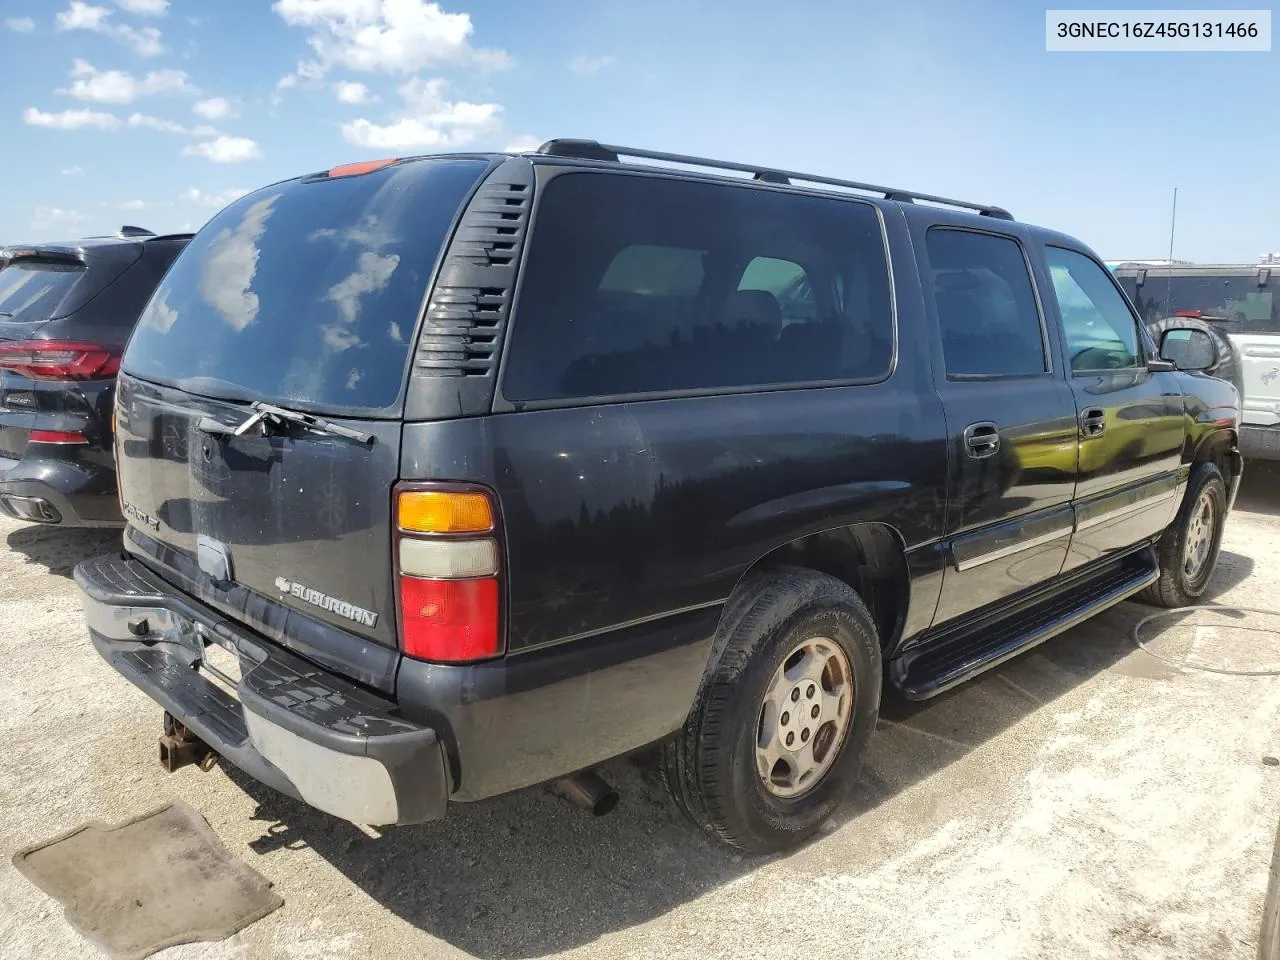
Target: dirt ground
[(1087, 800)]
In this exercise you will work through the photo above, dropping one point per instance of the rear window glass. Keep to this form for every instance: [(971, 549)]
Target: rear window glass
[(687, 286), (1237, 304), (31, 291), (306, 293)]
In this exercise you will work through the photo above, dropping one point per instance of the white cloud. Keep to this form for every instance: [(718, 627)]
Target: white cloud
[(145, 42), (155, 123), (392, 36), (86, 16), (225, 150), (215, 108), (429, 121), (230, 266), (72, 171), (523, 143), (82, 16), (144, 8), (311, 70), (145, 121), (119, 86), (20, 24), (49, 218), (219, 199), (133, 205), (590, 65), (347, 92), (70, 119), (308, 71)]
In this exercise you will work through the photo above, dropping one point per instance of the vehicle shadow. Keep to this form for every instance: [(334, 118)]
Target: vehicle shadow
[(60, 548), (528, 874), (1260, 488)]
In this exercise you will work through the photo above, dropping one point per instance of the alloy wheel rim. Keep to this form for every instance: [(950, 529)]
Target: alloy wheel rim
[(804, 717), (1200, 534)]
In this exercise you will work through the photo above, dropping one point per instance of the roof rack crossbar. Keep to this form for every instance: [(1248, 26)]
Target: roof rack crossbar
[(591, 150)]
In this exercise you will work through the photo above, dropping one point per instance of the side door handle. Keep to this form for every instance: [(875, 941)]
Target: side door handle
[(1093, 422), (981, 440)]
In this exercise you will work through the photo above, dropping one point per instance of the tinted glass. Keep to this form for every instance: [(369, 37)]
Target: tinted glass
[(31, 291), (1101, 332), (1237, 303), (986, 305), (788, 282), (656, 271), (306, 293), (687, 285)]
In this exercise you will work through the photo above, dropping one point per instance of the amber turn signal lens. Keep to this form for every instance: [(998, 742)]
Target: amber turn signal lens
[(443, 511)]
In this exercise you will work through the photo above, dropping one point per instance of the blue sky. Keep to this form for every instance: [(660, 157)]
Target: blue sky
[(155, 112)]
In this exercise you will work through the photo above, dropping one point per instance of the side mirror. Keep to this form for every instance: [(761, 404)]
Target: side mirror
[(1189, 349)]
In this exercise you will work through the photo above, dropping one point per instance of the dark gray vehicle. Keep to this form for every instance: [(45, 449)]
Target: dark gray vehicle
[(66, 310), (449, 476)]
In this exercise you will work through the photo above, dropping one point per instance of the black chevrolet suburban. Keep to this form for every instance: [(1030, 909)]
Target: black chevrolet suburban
[(448, 476)]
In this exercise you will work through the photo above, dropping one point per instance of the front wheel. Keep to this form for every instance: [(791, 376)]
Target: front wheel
[(1188, 551), (777, 736)]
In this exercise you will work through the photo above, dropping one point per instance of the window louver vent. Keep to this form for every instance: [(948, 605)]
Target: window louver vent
[(466, 317)]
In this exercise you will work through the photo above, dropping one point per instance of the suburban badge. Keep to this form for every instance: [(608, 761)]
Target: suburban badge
[(326, 602)]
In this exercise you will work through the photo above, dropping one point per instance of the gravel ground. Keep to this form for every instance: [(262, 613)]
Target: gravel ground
[(1085, 800)]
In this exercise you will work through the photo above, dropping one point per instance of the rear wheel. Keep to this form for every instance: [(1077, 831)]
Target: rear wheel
[(778, 734), (1188, 551)]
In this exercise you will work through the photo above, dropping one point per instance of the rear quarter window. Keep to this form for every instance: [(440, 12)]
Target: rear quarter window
[(33, 291), (649, 285)]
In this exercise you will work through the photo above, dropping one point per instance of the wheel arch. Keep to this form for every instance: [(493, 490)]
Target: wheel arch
[(871, 557), (1222, 449)]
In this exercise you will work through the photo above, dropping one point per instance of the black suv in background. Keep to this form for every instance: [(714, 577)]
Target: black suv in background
[(452, 475), (66, 311)]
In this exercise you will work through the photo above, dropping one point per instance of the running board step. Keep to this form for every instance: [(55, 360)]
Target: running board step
[(954, 655)]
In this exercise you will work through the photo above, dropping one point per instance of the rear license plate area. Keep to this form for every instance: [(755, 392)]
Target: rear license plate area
[(221, 665)]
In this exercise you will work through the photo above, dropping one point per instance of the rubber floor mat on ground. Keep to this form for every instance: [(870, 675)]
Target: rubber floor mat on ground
[(157, 880)]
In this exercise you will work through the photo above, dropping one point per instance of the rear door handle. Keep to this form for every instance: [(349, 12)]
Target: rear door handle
[(981, 440), (1093, 422)]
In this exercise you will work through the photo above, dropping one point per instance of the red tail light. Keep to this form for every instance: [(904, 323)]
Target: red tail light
[(448, 561), (451, 620), (1188, 313), (57, 436), (60, 359)]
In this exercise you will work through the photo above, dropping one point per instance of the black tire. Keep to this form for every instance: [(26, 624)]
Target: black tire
[(710, 766), (1177, 588), (1228, 367)]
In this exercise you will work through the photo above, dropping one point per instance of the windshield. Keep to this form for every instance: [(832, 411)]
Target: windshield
[(30, 291), (1238, 299), (306, 293)]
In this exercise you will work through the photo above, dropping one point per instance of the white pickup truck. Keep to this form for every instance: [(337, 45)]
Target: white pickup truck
[(1239, 301)]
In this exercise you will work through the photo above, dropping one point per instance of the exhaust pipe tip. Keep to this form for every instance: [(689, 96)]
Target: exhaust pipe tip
[(590, 792)]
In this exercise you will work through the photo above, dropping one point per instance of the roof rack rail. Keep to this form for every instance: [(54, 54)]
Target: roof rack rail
[(592, 150)]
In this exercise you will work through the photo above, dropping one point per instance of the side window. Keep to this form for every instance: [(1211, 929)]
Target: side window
[(691, 286), (654, 271), (1101, 331), (788, 282), (986, 306)]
